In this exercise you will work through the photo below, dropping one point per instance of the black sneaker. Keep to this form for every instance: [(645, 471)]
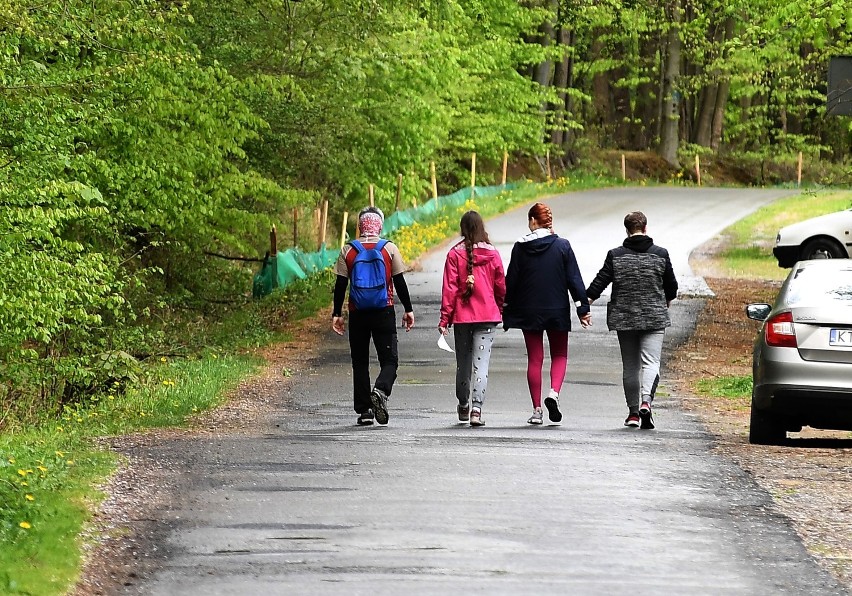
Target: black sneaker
[(552, 405), (365, 418), (464, 413), (380, 405), (645, 416)]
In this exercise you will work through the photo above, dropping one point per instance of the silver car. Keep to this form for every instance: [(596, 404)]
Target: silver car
[(802, 367)]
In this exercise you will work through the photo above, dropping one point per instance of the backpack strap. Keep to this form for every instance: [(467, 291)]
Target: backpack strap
[(356, 245), (380, 244)]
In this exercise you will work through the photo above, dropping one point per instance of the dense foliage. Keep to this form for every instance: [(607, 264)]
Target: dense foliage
[(137, 137)]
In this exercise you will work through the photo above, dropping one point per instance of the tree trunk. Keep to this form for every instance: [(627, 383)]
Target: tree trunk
[(568, 137), (622, 113), (645, 113), (719, 113), (671, 96), (560, 81), (704, 122), (721, 96)]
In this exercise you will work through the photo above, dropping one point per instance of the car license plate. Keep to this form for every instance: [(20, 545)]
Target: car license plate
[(840, 337)]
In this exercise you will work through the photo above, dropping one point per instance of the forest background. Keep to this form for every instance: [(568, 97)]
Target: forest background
[(139, 138), (143, 140)]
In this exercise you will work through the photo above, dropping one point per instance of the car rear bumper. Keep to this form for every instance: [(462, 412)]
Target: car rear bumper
[(818, 407), (817, 394), (786, 255)]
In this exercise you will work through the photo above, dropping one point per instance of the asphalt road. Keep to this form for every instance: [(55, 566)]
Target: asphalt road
[(313, 504)]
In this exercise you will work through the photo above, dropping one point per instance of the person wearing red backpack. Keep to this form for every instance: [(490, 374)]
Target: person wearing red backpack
[(374, 269)]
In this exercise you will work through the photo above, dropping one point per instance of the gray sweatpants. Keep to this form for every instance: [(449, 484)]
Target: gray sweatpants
[(640, 360), (473, 351)]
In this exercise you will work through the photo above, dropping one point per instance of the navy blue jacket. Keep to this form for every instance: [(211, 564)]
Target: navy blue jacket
[(541, 274)]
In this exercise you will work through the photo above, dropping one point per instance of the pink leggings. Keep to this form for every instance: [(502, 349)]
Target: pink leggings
[(558, 341)]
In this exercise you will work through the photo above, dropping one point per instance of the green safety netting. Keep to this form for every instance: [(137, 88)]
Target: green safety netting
[(406, 217), (285, 267)]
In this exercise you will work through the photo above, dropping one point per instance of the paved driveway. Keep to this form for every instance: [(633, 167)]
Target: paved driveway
[(312, 504)]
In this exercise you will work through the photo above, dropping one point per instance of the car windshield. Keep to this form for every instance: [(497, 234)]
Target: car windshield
[(815, 286)]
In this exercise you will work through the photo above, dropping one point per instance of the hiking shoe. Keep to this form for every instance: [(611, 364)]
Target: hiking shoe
[(380, 405), (464, 413), (365, 418), (552, 404), (645, 416), (632, 421), (536, 417), (476, 418)]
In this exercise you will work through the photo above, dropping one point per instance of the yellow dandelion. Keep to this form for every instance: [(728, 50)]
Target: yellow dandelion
[(25, 525), (24, 472), (59, 453), (22, 483), (164, 359), (70, 462), (29, 497), (42, 469)]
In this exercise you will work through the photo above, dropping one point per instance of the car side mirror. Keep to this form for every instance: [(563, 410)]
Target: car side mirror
[(758, 311)]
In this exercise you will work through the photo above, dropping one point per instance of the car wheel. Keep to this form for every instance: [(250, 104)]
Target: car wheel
[(765, 429), (822, 248)]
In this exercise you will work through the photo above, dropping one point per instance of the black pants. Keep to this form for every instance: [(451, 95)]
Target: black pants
[(381, 326)]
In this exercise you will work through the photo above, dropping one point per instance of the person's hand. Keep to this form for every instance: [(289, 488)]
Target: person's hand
[(408, 321), (338, 324), (591, 301), (586, 320), (443, 330)]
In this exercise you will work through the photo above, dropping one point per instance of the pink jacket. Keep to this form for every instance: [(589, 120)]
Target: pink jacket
[(485, 305)]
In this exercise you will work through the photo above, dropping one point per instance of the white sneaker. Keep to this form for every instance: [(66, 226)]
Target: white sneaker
[(551, 402), (536, 417)]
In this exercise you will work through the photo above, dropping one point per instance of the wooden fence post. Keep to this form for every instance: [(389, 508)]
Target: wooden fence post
[(472, 173), (434, 180), (398, 190), (317, 223), (505, 166), (343, 228), (549, 175), (698, 169), (372, 194), (273, 241), (799, 171), (623, 167), (323, 222)]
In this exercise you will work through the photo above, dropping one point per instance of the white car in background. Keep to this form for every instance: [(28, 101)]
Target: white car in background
[(824, 237)]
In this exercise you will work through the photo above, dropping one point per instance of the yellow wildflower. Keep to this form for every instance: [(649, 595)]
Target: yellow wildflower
[(25, 525), (42, 469), (29, 497)]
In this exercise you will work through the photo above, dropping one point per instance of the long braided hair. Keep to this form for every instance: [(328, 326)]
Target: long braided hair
[(473, 230), (542, 214)]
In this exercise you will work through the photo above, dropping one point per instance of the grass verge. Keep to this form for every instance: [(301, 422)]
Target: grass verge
[(747, 254)]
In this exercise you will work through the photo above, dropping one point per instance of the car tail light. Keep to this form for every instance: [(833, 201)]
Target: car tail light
[(780, 332)]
